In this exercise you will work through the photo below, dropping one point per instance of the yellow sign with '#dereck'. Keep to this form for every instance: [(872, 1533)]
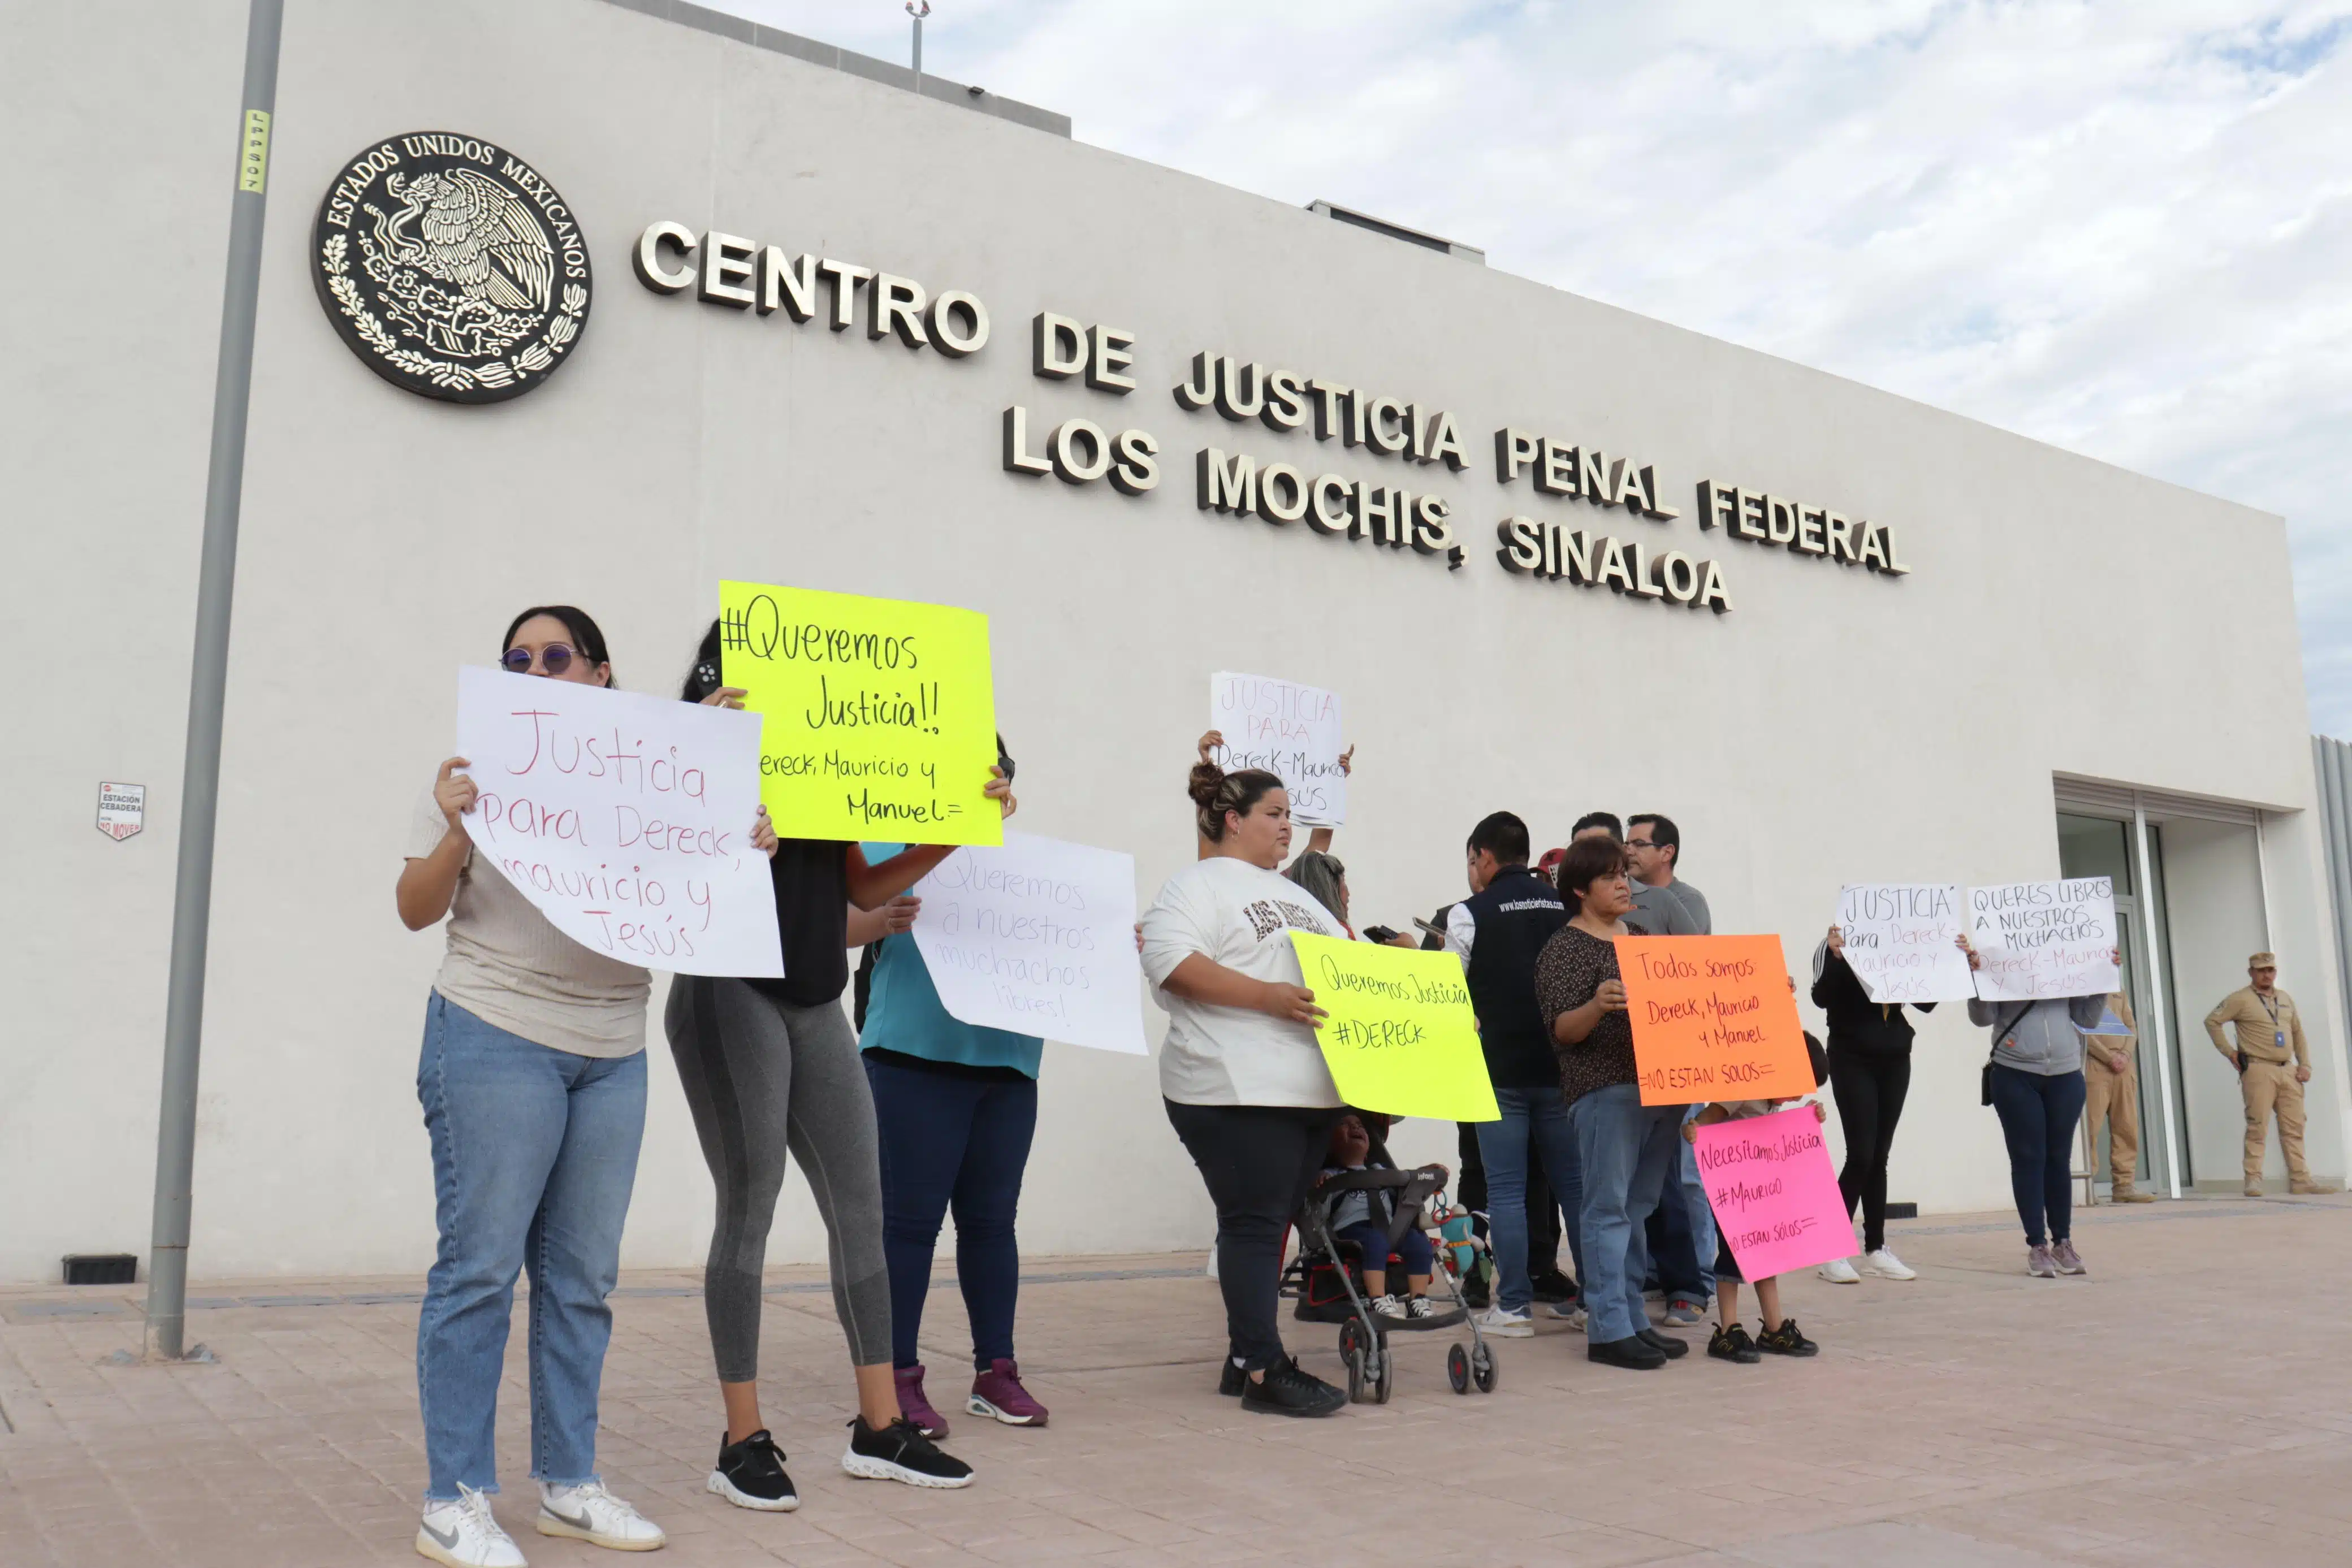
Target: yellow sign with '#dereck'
[(1399, 1033), (879, 715)]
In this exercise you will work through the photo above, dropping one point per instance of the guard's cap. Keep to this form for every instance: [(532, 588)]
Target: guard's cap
[(2262, 961)]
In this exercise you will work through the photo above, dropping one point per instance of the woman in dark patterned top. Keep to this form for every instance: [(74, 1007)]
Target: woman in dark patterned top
[(1627, 1147)]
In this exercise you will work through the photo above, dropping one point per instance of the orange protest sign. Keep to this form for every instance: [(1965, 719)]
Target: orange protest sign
[(1713, 1020)]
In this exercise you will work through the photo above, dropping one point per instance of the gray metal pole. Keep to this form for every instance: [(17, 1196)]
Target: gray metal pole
[(184, 1018)]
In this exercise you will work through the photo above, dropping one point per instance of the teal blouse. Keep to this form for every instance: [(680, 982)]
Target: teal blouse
[(903, 1011)]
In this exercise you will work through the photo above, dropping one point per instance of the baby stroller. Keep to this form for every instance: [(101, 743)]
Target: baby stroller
[(1327, 1278)]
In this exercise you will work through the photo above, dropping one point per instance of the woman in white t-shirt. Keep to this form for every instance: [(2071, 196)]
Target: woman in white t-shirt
[(1241, 1073), (533, 1084)]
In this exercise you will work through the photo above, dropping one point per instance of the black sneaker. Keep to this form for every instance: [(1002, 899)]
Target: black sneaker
[(1287, 1389), (1633, 1353), (1671, 1348), (750, 1474), (1786, 1340), (1551, 1285), (899, 1453), (1474, 1293), (1231, 1379), (1733, 1344)]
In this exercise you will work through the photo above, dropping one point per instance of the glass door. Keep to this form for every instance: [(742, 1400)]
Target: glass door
[(2098, 846)]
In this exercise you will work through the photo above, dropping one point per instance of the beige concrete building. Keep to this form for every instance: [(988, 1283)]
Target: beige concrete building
[(1974, 658)]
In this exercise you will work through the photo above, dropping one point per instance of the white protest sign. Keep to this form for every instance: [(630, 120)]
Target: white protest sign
[(1902, 941), (1038, 938), (626, 819), (2040, 939), (1288, 729)]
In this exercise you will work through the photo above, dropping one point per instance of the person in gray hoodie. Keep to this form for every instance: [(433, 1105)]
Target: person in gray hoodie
[(2036, 1074)]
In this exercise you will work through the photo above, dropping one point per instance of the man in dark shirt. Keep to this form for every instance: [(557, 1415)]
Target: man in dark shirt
[(1497, 932), (1470, 1187)]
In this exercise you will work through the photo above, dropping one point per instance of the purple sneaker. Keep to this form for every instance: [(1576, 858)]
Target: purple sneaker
[(997, 1393), (914, 1407)]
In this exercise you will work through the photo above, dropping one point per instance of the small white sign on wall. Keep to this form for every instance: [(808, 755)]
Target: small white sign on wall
[(121, 810)]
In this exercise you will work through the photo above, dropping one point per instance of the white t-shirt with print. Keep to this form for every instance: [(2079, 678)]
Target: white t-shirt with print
[(1239, 915)]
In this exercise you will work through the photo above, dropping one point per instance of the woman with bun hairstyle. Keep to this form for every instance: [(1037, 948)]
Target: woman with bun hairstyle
[(1240, 1072), (533, 1085), (771, 1067)]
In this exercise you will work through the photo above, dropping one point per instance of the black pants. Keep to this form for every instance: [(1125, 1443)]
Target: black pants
[(2038, 1113), (1869, 1086), (1259, 1162), (1543, 1209)]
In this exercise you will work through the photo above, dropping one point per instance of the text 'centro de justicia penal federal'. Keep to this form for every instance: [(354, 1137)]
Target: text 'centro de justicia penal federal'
[(1613, 500)]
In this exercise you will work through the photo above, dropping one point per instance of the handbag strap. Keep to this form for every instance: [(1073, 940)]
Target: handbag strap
[(2007, 1029)]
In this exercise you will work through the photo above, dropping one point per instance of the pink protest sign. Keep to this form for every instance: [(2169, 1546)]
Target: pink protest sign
[(1770, 1182)]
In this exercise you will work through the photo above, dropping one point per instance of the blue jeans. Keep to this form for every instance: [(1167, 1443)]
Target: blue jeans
[(1411, 1250), (534, 1152), (1540, 1114), (1627, 1148), (1678, 1242), (949, 1140), (2038, 1113)]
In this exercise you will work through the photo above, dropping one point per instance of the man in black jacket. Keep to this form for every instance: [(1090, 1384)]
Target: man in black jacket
[(1470, 1191), (1497, 932)]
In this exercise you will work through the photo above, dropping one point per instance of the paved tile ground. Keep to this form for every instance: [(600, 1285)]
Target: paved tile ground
[(2189, 1403)]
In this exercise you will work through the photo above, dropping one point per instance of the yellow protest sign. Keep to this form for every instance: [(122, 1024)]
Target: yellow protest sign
[(878, 715), (1398, 1035)]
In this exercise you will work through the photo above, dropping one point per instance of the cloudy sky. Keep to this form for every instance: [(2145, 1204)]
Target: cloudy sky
[(2123, 228)]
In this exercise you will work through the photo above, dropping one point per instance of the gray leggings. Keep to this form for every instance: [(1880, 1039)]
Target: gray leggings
[(762, 1076)]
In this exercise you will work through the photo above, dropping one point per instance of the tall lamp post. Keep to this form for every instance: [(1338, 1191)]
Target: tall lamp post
[(184, 1018), (918, 9)]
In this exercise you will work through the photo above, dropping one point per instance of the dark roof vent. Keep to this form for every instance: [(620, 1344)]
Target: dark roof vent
[(1397, 231)]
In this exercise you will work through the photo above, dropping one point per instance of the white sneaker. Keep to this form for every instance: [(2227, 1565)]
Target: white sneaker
[(1504, 1323), (1567, 1312), (1840, 1272), (464, 1535), (592, 1514), (1887, 1266), (1390, 1307)]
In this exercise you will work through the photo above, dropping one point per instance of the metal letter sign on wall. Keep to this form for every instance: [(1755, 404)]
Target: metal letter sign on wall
[(451, 268)]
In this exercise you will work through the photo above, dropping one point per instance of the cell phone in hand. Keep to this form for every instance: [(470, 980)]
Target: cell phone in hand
[(1381, 933), (1436, 931)]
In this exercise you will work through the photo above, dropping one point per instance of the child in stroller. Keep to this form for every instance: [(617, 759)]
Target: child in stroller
[(1362, 1216), (1365, 1216)]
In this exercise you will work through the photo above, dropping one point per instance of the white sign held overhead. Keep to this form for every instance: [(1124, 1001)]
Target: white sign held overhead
[(1036, 937), (1288, 729), (2038, 939), (121, 810), (1902, 941), (626, 819)]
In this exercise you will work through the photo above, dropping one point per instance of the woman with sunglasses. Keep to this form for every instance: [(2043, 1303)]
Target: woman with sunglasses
[(533, 1084), (769, 1067)]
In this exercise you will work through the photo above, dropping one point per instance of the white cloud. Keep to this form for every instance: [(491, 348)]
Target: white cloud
[(2122, 227)]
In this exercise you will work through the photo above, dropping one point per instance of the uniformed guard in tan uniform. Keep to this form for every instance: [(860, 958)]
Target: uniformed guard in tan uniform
[(2274, 1063), (2111, 1090)]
